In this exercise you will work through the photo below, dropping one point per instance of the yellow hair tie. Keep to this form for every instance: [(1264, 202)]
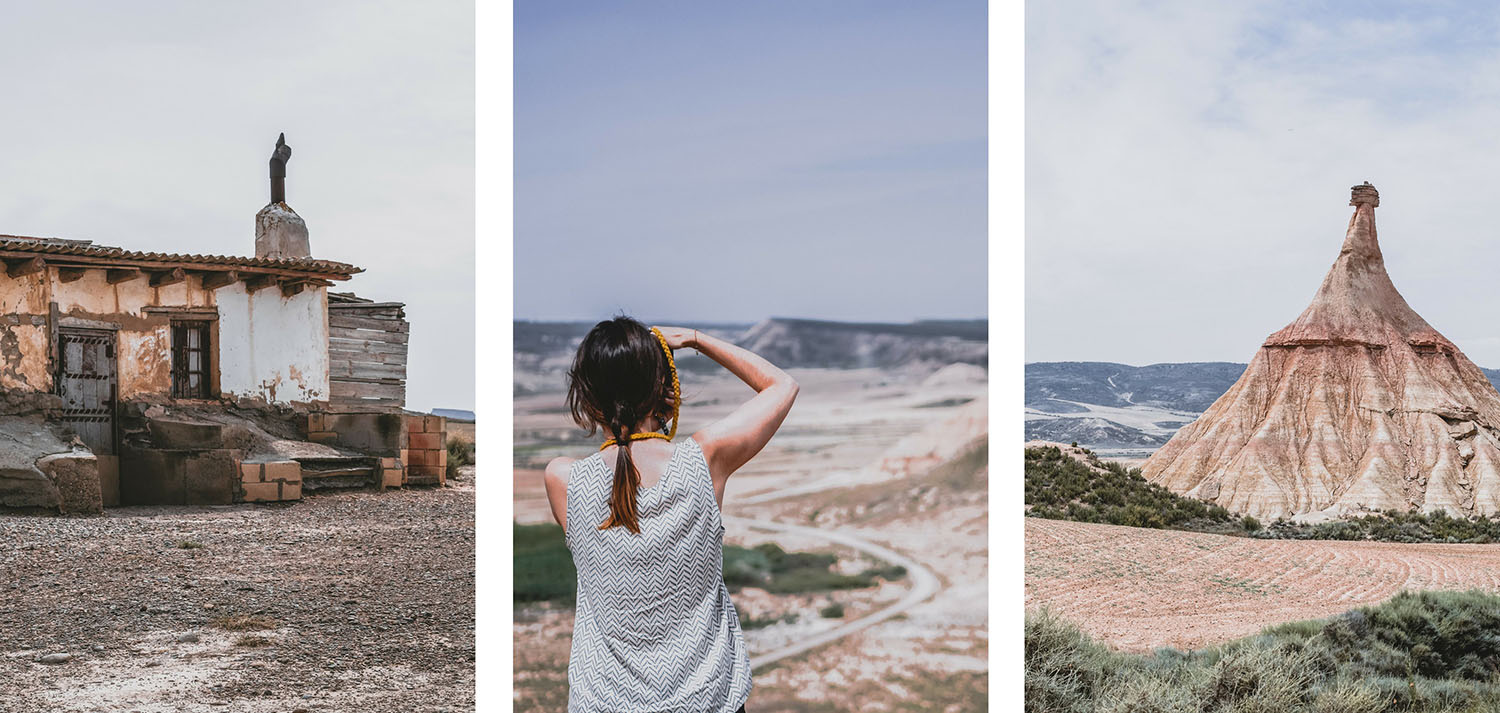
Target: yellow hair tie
[(676, 398)]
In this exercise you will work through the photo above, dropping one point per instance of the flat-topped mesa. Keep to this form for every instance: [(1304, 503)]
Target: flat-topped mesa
[(279, 231), (1359, 404)]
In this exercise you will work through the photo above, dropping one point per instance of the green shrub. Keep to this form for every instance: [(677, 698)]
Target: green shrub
[(834, 610), (1427, 651), (460, 453), (1061, 487)]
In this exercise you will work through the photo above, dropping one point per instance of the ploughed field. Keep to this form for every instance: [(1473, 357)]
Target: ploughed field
[(354, 601), (1138, 589)]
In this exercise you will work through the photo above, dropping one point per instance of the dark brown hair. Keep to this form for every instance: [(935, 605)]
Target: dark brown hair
[(620, 378)]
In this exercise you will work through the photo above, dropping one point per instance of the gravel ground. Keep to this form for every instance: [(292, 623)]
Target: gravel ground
[(342, 602)]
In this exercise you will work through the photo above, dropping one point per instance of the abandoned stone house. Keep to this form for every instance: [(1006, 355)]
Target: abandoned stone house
[(140, 378)]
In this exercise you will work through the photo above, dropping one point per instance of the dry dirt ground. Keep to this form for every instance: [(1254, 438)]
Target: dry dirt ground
[(342, 602), (855, 436), (1139, 589)]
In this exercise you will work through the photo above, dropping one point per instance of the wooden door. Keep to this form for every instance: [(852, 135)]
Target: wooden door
[(86, 382)]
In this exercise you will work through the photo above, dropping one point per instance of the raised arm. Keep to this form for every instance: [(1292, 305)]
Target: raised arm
[(733, 440)]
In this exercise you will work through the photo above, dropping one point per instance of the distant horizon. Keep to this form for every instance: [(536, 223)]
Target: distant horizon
[(981, 318), (1030, 362)]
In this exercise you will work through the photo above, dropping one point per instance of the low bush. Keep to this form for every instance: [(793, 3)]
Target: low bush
[(1060, 487), (1426, 651), (460, 453), (1392, 526)]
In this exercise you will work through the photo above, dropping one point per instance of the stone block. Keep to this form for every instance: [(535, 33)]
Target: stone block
[(289, 471), (291, 491), (317, 421), (426, 441), (425, 471), (109, 479), (77, 478), (172, 434), (442, 458), (435, 424), (416, 423), (263, 492), (323, 437), (392, 477), (252, 472), (27, 488), (151, 477), (210, 477), (381, 434), (416, 457)]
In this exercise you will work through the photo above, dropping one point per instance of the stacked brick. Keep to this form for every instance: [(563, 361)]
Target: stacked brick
[(319, 430), (426, 453), (270, 482)]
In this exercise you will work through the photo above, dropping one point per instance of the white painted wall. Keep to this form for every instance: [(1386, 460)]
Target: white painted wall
[(272, 346)]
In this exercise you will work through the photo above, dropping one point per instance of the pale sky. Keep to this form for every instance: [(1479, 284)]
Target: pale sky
[(731, 161), (148, 125), (1189, 164)]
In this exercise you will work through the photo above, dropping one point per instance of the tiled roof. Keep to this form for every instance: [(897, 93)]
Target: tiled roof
[(83, 248)]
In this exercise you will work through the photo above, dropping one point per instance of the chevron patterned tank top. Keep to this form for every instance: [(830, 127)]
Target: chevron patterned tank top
[(655, 630)]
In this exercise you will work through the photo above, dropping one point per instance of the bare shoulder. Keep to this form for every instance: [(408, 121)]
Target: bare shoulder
[(558, 471)]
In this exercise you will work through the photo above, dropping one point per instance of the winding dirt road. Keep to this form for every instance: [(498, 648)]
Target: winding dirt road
[(924, 585)]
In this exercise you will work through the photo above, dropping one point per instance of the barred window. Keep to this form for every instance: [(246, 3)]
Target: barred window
[(190, 359)]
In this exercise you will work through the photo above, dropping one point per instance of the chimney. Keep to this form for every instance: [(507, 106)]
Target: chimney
[(1364, 193), (279, 231)]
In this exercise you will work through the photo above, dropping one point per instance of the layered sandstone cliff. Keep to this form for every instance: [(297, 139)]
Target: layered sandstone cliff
[(1358, 404)]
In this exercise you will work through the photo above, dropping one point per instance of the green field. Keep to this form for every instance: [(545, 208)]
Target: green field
[(544, 568)]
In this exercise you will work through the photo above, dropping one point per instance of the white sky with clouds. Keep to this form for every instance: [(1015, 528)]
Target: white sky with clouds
[(1189, 164), (149, 125), (726, 161)]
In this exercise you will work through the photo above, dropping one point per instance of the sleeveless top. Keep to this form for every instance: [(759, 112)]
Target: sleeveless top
[(655, 630)]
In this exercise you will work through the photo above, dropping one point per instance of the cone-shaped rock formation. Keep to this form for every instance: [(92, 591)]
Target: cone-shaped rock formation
[(1358, 404)]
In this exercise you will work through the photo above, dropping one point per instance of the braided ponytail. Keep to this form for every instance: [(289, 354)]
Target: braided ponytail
[(624, 373), (627, 484)]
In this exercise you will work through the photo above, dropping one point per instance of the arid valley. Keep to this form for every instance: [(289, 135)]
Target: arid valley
[(882, 464)]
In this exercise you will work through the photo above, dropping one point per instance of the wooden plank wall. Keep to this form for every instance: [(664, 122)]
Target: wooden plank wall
[(367, 357)]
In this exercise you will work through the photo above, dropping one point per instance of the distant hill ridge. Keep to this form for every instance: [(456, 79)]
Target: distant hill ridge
[(1181, 386), (1087, 401), (829, 344), (796, 342)]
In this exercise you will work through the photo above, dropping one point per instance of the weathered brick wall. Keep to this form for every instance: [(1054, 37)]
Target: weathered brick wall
[(426, 454), (270, 482)]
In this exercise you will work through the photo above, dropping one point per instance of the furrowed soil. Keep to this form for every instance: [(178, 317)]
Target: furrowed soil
[(342, 602), (1140, 589), (854, 456)]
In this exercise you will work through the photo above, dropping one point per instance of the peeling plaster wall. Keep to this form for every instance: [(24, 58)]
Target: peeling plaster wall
[(24, 363), (272, 346), (144, 357), (269, 346)]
